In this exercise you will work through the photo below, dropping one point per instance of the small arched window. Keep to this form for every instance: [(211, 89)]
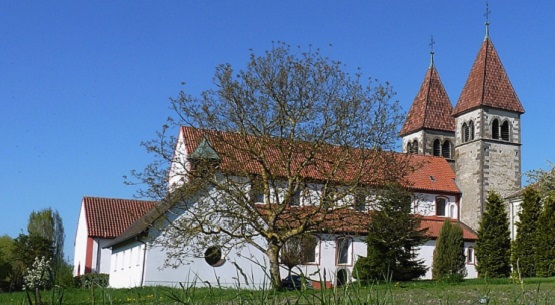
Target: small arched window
[(471, 130), (465, 133), (437, 148), (446, 149), (505, 131), (415, 146), (441, 204), (495, 129), (409, 147)]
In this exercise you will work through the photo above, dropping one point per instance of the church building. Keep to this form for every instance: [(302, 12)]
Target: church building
[(464, 152)]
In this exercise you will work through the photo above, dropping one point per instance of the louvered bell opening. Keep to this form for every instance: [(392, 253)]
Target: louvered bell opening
[(505, 131)]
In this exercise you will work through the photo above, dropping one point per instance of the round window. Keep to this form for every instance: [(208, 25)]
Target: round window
[(213, 256)]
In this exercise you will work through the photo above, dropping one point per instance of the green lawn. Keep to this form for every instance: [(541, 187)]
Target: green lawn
[(500, 291)]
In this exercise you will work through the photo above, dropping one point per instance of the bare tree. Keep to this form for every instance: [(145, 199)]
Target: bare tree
[(273, 151)]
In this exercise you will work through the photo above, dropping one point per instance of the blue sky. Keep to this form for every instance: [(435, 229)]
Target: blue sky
[(83, 83)]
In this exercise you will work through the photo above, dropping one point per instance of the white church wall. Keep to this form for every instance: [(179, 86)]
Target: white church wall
[(426, 205), (80, 252), (102, 256), (126, 265)]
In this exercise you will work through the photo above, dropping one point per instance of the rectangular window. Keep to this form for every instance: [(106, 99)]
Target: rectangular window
[(256, 192), (311, 250), (440, 206), (343, 252), (470, 256), (296, 197), (360, 201)]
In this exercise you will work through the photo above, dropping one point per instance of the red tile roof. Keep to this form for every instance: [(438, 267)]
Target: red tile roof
[(435, 175), (349, 221), (488, 84), (431, 108), (109, 217), (434, 224), (430, 173)]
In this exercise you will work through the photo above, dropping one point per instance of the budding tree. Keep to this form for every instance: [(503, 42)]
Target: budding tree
[(278, 147)]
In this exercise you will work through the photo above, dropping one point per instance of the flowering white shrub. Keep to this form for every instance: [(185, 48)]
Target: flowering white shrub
[(38, 276)]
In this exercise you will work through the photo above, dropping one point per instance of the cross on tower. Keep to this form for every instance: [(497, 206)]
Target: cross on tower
[(432, 42), (486, 14)]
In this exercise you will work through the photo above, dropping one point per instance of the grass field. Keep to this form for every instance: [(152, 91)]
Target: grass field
[(481, 291)]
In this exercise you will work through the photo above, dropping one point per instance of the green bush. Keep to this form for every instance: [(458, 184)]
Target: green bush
[(449, 262), (92, 279), (64, 276), (494, 241)]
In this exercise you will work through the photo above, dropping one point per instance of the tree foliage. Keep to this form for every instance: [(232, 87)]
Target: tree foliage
[(26, 249), (494, 242), (524, 245), (449, 258), (48, 224), (394, 235), (297, 106), (544, 254), (6, 250)]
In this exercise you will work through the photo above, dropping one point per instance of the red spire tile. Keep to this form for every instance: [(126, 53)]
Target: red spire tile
[(431, 108), (488, 84)]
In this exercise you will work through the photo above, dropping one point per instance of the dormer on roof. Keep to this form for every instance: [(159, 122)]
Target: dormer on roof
[(488, 84), (205, 151)]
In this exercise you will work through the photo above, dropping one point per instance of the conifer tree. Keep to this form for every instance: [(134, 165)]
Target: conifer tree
[(393, 236), (524, 247), (544, 254), (449, 258), (493, 247)]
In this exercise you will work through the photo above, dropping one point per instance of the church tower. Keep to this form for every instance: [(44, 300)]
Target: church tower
[(488, 135), (429, 128)]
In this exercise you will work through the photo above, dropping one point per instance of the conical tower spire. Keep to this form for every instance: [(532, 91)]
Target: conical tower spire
[(431, 108), (487, 84)]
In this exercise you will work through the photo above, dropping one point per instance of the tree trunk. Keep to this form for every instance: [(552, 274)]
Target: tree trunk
[(273, 257)]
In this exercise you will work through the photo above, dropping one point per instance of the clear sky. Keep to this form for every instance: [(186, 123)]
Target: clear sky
[(82, 83)]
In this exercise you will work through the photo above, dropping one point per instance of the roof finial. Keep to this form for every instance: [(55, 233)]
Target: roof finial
[(487, 19), (432, 42)]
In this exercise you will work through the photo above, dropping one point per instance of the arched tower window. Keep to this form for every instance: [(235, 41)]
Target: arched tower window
[(409, 147), (437, 148), (505, 131), (446, 149), (495, 129), (471, 130), (465, 132), (415, 146)]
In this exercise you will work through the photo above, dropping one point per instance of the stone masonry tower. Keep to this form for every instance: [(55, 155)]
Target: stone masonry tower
[(488, 135), (429, 128)]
